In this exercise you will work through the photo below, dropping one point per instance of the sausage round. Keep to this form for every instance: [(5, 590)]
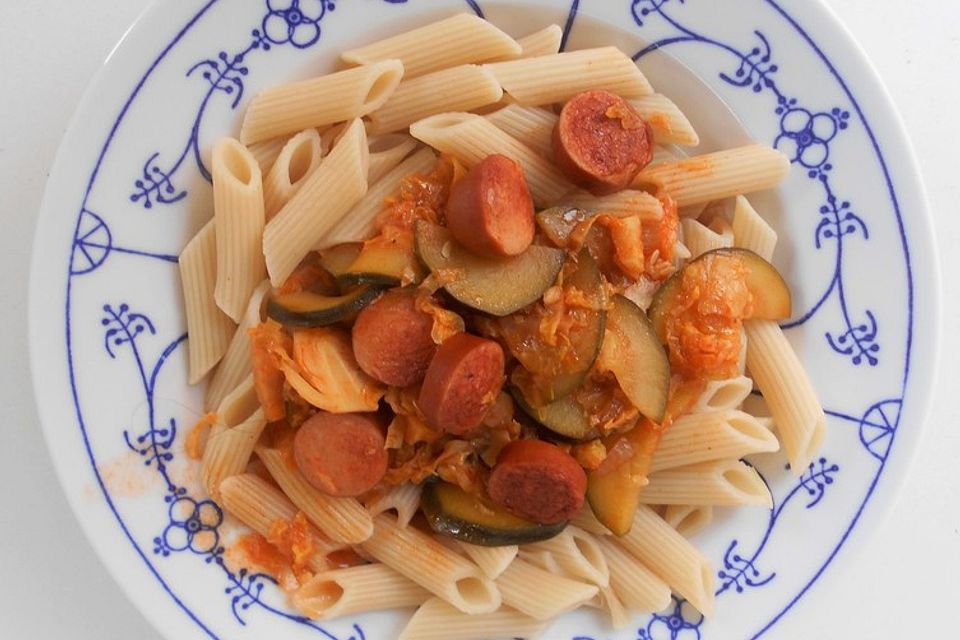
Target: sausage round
[(340, 454), (392, 339), (462, 383), (600, 142), (490, 211), (537, 481)]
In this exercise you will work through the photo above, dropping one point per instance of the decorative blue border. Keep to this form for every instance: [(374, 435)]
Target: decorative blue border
[(297, 23)]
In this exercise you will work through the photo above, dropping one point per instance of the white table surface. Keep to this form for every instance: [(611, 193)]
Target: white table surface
[(901, 583)]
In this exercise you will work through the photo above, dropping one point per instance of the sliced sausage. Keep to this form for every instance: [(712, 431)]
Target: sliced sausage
[(340, 454), (462, 383), (537, 481), (600, 142), (490, 210), (391, 339)]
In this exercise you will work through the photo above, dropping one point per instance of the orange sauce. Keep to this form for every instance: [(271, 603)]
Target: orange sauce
[(196, 437)]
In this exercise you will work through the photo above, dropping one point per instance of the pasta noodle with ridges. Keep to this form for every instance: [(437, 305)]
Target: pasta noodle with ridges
[(688, 519), (539, 593), (238, 211), (700, 238), (228, 452), (339, 183), (621, 204), (619, 616), (532, 126), (386, 152), (209, 328), (298, 159), (722, 483), (470, 138), (359, 223), (704, 437), (671, 557), (335, 97), (259, 505), (235, 364), (723, 395), (433, 566), (238, 405), (266, 152), (718, 175), (340, 519), (460, 39), (359, 589), (439, 620), (750, 231), (462, 88), (666, 120), (544, 42), (635, 585), (557, 78), (491, 560), (576, 553), (402, 498), (788, 391)]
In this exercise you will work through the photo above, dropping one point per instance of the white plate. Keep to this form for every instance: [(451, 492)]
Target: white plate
[(128, 189)]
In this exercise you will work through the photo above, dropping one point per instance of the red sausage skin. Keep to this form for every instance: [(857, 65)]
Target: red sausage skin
[(391, 339), (537, 481), (490, 211), (340, 454), (462, 383), (600, 142)]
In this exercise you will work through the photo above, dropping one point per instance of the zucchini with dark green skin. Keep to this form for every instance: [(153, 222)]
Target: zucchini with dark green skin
[(495, 286), (382, 262), (338, 258), (565, 417), (306, 309), (453, 512)]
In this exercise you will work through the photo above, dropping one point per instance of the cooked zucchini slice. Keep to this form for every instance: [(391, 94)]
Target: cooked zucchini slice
[(455, 513), (388, 263), (564, 417), (307, 309), (495, 286)]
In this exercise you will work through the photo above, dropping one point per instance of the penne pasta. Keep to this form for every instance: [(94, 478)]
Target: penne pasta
[(208, 327), (576, 553), (340, 519), (723, 395), (360, 222), (586, 520), (546, 41), (704, 437), (667, 122), (238, 405), (343, 592), (609, 600), (235, 365), (633, 583), (621, 204), (492, 560), (700, 238), (336, 97), (470, 138), (228, 452), (338, 184), (750, 231), (715, 176), (238, 211), (438, 620), (259, 505), (688, 519), (669, 556), (532, 126), (266, 152), (539, 593), (298, 159), (460, 39), (788, 391), (461, 88), (724, 483), (556, 78), (433, 566), (386, 152), (403, 499)]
